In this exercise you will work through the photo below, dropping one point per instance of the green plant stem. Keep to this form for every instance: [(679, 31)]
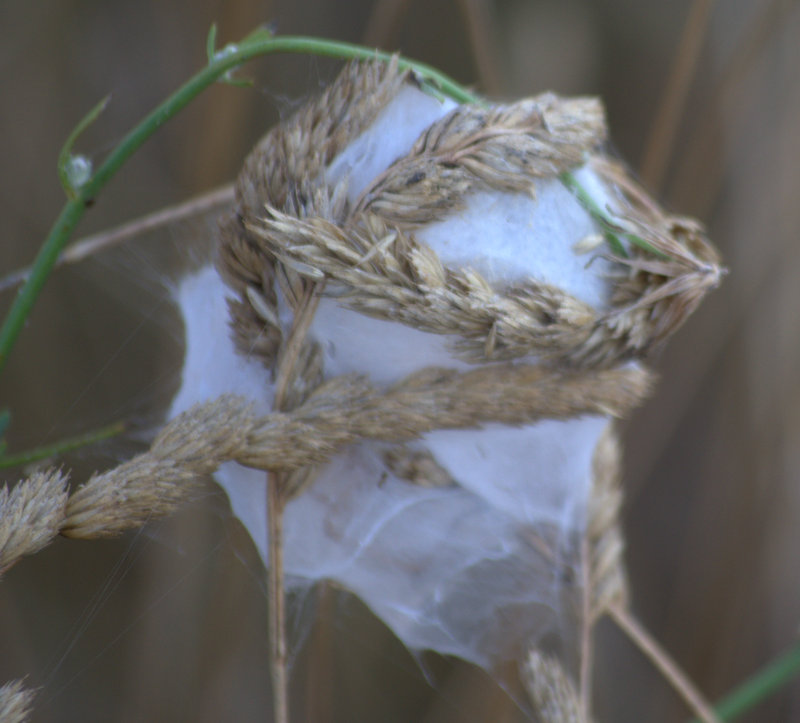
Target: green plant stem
[(569, 180), (602, 218), (763, 684), (222, 63), (65, 445)]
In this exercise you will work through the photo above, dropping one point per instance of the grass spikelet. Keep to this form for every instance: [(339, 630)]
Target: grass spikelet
[(16, 702), (155, 483), (30, 515)]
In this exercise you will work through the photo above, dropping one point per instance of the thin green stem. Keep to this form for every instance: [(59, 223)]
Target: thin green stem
[(763, 684), (603, 219), (594, 210), (62, 447), (222, 62)]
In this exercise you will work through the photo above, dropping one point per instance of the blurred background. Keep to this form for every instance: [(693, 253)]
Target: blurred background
[(169, 623)]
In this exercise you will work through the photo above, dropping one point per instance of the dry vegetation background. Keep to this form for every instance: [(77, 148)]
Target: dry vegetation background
[(169, 624)]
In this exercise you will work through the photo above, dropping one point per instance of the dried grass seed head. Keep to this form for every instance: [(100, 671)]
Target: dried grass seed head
[(439, 224), (299, 212), (31, 514)]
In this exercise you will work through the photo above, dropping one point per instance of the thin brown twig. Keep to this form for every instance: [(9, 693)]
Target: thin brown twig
[(682, 684), (90, 245), (276, 502), (662, 134), (277, 599)]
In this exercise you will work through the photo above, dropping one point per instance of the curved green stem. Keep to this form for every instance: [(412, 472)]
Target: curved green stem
[(62, 447), (221, 63)]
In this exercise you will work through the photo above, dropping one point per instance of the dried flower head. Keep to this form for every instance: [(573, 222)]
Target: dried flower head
[(430, 249)]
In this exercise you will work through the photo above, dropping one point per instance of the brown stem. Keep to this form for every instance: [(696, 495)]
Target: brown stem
[(277, 601), (665, 664), (275, 506), (79, 250)]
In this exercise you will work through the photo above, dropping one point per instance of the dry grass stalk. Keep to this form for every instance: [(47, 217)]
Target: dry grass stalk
[(16, 702), (338, 413), (605, 588), (155, 483), (291, 368), (608, 583), (671, 671), (216, 200), (279, 651), (604, 581), (410, 285), (347, 409), (503, 148)]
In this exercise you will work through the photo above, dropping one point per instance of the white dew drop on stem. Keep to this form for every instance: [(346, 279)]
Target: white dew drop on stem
[(477, 568), (78, 171)]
